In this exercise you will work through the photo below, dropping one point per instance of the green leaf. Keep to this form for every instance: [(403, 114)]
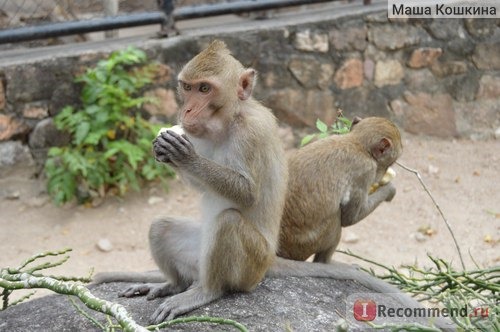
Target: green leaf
[(132, 178), (93, 138), (55, 151), (345, 121), (81, 132), (133, 153), (111, 152), (307, 139), (76, 163), (322, 127), (92, 109), (62, 187)]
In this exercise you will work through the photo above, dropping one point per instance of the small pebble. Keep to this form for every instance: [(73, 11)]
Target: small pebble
[(432, 169), (155, 200), (419, 237), (104, 245), (497, 133), (350, 237), (13, 195)]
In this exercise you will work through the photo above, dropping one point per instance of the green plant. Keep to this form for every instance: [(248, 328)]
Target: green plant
[(342, 125), (110, 148), (473, 290), (27, 276)]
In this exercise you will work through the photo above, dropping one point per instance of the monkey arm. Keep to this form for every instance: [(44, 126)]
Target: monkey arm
[(227, 182), (224, 181), (360, 204)]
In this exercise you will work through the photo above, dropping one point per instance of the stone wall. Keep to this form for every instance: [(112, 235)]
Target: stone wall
[(433, 77)]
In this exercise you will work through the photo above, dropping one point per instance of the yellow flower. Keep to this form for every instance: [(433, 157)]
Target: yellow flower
[(111, 134)]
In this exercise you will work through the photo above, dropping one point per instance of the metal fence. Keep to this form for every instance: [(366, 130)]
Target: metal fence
[(25, 20), (20, 13)]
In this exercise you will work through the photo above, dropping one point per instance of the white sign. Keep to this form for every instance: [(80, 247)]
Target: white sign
[(443, 8)]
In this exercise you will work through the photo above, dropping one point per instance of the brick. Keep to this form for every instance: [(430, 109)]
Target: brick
[(350, 74), (424, 57)]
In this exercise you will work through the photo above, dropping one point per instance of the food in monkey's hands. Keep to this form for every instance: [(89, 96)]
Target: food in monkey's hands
[(388, 176), (176, 129)]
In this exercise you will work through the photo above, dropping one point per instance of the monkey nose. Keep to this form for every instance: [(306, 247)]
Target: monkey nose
[(188, 110)]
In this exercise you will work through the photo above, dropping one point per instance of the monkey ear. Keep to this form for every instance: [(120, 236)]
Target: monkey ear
[(356, 120), (246, 84), (379, 149)]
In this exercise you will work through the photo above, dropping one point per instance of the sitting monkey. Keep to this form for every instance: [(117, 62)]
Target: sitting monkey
[(330, 186)]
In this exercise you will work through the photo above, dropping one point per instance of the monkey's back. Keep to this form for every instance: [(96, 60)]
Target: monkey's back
[(319, 177), (267, 156)]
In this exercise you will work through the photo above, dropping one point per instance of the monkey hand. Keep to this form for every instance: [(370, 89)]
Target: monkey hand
[(170, 147), (388, 176), (390, 191), (159, 153)]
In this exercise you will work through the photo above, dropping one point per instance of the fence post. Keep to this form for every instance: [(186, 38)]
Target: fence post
[(168, 26), (110, 9)]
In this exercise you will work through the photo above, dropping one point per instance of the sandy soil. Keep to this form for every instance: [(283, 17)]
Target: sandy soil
[(462, 175)]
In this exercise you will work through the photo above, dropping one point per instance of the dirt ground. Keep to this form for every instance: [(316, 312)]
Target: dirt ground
[(462, 175)]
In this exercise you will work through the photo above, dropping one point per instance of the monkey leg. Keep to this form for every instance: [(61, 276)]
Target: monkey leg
[(328, 242), (238, 257), (175, 248), (324, 256), (235, 259)]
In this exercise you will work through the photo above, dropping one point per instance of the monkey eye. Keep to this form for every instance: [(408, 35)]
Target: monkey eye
[(204, 87), (186, 87)]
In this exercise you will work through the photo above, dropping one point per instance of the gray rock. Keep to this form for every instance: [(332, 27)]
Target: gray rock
[(349, 38), (44, 136), (14, 152), (43, 77), (422, 80), (305, 70), (311, 41), (364, 102), (64, 94), (478, 119), (302, 304), (394, 37), (445, 29), (424, 113), (487, 56), (462, 87), (300, 107), (480, 27)]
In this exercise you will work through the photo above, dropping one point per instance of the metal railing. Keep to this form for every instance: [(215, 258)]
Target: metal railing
[(166, 16)]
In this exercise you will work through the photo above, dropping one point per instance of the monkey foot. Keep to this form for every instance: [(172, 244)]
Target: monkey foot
[(181, 303), (152, 290), (136, 290)]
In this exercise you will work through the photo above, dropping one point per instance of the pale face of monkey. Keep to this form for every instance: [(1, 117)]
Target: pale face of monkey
[(199, 105)]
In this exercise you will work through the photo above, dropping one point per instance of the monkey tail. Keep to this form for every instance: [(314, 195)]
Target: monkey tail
[(150, 276), (335, 270), (341, 271)]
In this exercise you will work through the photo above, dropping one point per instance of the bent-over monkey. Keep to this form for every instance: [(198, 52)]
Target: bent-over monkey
[(329, 187)]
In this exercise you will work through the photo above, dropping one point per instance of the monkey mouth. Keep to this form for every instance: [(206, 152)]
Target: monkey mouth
[(192, 129)]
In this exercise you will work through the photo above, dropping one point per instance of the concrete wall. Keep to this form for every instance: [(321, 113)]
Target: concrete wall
[(433, 77)]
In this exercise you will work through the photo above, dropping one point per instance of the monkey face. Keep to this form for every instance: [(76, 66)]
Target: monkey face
[(199, 98)]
